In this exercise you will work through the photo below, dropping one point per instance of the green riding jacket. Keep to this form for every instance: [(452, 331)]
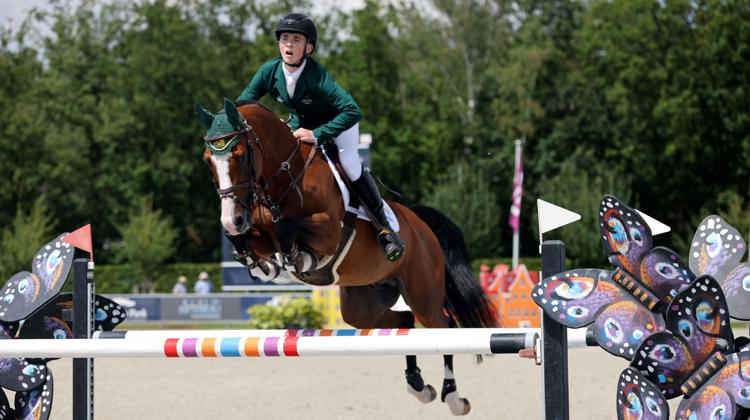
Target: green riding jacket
[(319, 103)]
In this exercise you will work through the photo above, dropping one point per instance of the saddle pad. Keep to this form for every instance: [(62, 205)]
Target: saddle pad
[(359, 211)]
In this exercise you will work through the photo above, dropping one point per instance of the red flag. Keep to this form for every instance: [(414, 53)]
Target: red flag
[(81, 239), (515, 207)]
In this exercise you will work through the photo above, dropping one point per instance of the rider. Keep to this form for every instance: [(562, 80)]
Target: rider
[(320, 112)]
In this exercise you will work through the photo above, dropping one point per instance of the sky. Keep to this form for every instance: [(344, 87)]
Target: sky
[(16, 9)]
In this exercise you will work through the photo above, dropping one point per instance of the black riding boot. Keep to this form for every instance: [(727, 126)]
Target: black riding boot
[(369, 196)]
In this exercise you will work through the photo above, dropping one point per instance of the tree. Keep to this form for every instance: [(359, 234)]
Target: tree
[(580, 192), (148, 239), (466, 198), (27, 233)]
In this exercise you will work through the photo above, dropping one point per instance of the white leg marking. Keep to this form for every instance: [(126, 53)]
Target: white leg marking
[(427, 394)]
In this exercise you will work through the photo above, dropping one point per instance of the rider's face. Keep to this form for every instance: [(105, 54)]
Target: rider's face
[(291, 47)]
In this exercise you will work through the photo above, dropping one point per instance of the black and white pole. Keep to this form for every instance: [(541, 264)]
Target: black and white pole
[(83, 327)]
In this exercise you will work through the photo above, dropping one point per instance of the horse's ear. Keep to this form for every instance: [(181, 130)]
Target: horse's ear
[(233, 116), (204, 115)]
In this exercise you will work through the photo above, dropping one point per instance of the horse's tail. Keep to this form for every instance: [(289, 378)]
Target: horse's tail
[(465, 300)]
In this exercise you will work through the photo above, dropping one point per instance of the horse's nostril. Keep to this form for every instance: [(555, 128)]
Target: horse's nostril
[(238, 220)]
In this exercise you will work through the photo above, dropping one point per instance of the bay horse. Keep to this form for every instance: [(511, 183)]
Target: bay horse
[(279, 197)]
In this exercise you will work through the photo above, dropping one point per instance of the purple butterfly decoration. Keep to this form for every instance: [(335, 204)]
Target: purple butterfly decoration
[(718, 388), (624, 304), (577, 298), (35, 404), (627, 241), (639, 398), (717, 249), (697, 327), (26, 292)]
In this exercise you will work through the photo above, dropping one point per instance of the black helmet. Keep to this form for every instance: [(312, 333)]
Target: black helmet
[(299, 23)]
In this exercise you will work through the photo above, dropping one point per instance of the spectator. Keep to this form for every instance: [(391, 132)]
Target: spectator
[(203, 285), (180, 288)]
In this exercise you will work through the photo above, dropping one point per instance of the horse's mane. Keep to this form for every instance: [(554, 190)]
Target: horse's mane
[(249, 102)]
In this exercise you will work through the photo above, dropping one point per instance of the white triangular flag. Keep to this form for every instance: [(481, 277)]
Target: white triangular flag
[(657, 227), (552, 217)]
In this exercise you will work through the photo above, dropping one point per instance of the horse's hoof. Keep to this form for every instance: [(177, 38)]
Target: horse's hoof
[(459, 406), (426, 395), (266, 270)]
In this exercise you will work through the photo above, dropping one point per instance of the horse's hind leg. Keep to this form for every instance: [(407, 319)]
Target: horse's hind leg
[(458, 405), (369, 307)]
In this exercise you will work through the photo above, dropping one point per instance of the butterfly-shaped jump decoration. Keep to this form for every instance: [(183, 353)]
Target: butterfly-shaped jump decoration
[(37, 403), (26, 292), (639, 398), (51, 321), (717, 250), (719, 389), (697, 327), (623, 304)]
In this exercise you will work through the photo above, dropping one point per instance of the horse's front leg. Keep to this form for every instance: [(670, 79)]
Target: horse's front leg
[(247, 248), (321, 232), (296, 257)]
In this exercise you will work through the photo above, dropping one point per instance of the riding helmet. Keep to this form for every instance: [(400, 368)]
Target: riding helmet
[(299, 23)]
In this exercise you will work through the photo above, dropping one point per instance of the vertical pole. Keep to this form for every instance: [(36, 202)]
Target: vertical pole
[(554, 344), (83, 327), (516, 235)]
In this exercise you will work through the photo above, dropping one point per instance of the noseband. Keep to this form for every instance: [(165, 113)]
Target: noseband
[(258, 193)]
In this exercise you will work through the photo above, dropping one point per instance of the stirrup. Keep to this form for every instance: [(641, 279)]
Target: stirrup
[(392, 244)]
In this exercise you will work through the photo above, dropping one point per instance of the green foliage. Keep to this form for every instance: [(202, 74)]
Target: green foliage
[(657, 109), (466, 198), (27, 233), (147, 241), (121, 278), (582, 193), (296, 313)]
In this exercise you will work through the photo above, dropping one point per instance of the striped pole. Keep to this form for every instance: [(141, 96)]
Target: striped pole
[(151, 334), (282, 343), (434, 341), (578, 337)]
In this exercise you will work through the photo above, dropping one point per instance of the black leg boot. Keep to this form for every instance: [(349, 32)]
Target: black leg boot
[(369, 196)]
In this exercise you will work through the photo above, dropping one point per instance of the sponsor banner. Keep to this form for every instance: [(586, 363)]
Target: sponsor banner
[(138, 308), (192, 307)]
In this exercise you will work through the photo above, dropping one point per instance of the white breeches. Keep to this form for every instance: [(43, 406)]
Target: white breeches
[(347, 143)]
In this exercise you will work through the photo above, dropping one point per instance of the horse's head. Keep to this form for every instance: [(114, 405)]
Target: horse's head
[(230, 155)]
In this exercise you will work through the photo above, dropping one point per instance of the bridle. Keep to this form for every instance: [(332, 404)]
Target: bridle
[(259, 186)]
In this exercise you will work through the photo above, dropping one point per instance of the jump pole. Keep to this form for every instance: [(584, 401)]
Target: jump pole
[(83, 326), (435, 341), (554, 344)]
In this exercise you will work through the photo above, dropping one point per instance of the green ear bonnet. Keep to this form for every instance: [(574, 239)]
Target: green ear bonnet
[(224, 127)]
